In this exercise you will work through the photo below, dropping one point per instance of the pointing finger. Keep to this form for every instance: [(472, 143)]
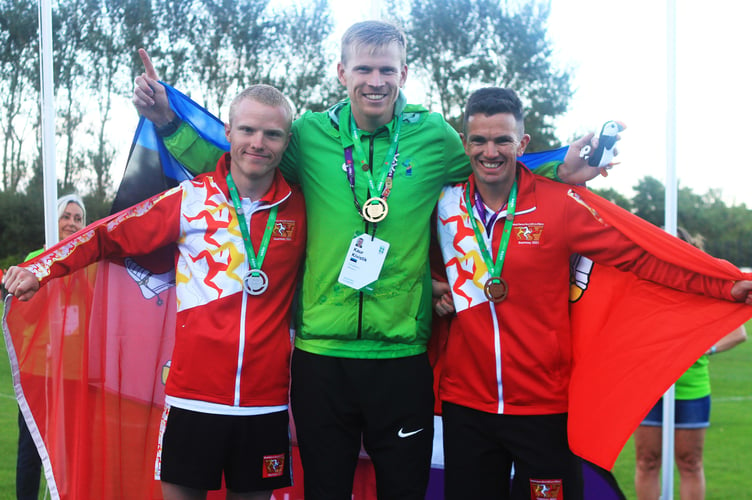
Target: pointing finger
[(148, 66)]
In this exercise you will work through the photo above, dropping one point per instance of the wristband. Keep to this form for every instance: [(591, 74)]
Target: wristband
[(170, 128)]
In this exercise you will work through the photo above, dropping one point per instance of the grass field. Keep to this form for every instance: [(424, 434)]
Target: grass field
[(728, 449), (728, 444)]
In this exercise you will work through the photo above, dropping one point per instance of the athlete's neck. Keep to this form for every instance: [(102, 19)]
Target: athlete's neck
[(371, 124), (255, 187)]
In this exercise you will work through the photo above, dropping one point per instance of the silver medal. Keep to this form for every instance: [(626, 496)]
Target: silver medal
[(255, 282)]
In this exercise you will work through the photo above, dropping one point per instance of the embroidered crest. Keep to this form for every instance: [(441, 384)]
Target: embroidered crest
[(274, 465), (284, 230), (528, 234), (544, 489), (408, 163)]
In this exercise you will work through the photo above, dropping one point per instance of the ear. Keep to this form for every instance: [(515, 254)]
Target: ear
[(463, 138), (403, 75), (341, 73), (227, 131), (523, 144)]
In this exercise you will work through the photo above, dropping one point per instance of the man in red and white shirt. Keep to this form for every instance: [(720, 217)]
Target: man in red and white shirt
[(239, 234), (506, 238)]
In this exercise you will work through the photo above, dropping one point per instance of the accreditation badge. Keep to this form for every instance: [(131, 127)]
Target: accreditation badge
[(363, 262)]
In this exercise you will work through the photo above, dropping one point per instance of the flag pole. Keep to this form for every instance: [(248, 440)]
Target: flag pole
[(47, 110), (667, 466)]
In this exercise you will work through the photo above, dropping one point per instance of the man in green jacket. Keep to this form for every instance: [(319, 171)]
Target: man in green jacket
[(371, 169)]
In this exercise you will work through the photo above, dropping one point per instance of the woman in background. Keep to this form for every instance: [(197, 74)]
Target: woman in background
[(71, 215), (691, 417)]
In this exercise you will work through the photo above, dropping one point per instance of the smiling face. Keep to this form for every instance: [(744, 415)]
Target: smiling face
[(493, 144), (71, 221), (373, 77), (258, 135)]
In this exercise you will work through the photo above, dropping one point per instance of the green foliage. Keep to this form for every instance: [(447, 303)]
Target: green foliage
[(461, 45), (211, 47), (724, 230), (21, 227)]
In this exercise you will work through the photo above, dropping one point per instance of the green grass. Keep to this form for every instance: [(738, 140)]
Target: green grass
[(728, 447), (8, 429), (728, 443)]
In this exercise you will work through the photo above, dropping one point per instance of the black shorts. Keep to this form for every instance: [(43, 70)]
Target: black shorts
[(480, 449), (387, 404), (253, 451)]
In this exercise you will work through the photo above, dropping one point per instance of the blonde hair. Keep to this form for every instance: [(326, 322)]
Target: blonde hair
[(374, 35), (264, 94)]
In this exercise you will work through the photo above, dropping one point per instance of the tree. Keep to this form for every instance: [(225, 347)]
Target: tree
[(649, 202), (460, 45), (19, 74), (301, 44)]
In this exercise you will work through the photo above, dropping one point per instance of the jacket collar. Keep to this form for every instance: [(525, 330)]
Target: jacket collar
[(526, 201), (278, 191)]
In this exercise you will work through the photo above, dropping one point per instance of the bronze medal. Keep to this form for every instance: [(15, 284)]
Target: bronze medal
[(375, 209), (255, 282), (496, 289)]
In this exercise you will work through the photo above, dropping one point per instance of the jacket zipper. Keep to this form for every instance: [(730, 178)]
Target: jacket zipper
[(365, 229)]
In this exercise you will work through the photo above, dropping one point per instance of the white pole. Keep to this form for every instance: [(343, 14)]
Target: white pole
[(667, 466), (48, 124)]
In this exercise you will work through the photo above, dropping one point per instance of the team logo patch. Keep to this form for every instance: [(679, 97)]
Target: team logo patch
[(544, 489), (274, 465), (284, 230), (528, 234), (408, 163)]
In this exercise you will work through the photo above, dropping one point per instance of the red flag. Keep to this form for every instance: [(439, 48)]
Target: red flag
[(88, 354), (633, 338)]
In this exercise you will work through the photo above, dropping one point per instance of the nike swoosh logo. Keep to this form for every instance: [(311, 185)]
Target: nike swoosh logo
[(401, 433)]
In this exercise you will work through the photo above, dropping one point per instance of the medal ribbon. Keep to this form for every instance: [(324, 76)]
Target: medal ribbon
[(254, 262), (387, 168), (494, 268)]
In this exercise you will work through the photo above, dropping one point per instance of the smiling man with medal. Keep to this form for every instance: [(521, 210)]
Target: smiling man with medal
[(227, 389), (509, 351)]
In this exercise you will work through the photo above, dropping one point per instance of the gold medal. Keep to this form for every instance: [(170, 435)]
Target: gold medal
[(375, 209), (496, 289), (255, 282)]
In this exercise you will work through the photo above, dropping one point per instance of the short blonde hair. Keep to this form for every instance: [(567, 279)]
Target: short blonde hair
[(264, 94), (373, 35)]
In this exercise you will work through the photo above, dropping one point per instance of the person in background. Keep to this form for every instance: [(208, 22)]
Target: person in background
[(691, 419), (71, 214)]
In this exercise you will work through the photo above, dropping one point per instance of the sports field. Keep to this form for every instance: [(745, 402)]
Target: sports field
[(728, 450)]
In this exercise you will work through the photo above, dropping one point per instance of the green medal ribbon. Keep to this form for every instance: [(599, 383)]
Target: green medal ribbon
[(494, 268), (255, 262), (374, 188)]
